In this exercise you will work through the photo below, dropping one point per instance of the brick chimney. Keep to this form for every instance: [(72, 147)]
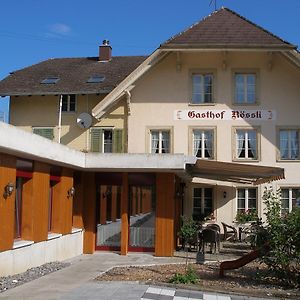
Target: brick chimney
[(105, 51)]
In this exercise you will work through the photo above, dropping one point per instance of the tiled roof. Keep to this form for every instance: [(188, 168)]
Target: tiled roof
[(73, 74), (225, 28)]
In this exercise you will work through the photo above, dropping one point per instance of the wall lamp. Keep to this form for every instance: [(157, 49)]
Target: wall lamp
[(71, 192), (224, 194), (8, 190)]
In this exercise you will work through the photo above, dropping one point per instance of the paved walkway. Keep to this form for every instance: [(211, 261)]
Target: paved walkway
[(76, 282)]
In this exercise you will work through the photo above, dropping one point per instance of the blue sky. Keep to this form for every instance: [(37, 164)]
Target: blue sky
[(35, 30)]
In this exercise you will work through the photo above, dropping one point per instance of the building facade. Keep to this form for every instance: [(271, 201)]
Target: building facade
[(201, 126)]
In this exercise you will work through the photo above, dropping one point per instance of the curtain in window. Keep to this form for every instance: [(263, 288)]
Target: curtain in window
[(208, 142), (197, 143), (165, 142), (154, 142), (240, 137), (251, 144), (284, 144), (294, 136)]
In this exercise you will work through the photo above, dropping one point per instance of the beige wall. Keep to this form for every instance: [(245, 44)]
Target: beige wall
[(165, 89), (42, 111)]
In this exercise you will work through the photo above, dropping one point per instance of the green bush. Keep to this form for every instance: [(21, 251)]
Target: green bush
[(281, 234), (190, 276), (246, 216)]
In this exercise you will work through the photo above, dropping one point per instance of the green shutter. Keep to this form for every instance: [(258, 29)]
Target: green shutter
[(44, 132), (118, 146), (96, 139)]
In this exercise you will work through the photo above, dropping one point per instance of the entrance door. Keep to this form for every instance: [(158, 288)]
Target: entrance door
[(108, 218), (142, 218)]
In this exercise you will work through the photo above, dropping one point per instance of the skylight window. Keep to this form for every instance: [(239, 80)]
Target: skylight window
[(50, 80), (96, 79)]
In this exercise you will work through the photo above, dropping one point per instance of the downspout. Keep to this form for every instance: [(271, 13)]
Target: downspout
[(59, 118), (128, 99)]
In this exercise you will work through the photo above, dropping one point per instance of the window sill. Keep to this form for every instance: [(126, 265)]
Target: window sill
[(246, 160), (76, 230), (202, 104), (288, 160), (22, 243), (246, 104), (52, 236)]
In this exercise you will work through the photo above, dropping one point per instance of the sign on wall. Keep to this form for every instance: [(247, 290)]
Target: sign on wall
[(226, 114)]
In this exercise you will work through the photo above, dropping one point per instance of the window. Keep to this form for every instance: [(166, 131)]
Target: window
[(96, 79), (46, 132), (69, 103), (290, 198), (50, 80), (203, 143), (18, 208), (246, 144), (246, 199), (289, 144), (245, 88), (202, 88), (202, 202), (160, 141), (106, 140)]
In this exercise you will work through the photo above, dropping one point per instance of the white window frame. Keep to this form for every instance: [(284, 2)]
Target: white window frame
[(68, 103), (202, 74), (103, 140), (235, 143), (290, 196), (289, 129), (160, 140), (202, 141), (245, 75), (202, 200), (246, 198)]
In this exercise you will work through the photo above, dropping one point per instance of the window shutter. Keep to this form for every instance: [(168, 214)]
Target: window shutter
[(96, 139), (118, 141), (44, 132)]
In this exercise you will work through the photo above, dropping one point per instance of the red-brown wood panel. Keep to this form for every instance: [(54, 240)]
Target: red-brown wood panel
[(89, 215), (40, 200), (78, 202), (7, 205), (165, 209)]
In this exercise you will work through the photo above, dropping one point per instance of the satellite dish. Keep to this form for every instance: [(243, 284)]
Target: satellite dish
[(84, 120)]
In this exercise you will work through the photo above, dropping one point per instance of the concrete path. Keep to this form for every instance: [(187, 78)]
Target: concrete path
[(76, 282)]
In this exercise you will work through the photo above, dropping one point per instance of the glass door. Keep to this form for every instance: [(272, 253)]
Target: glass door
[(142, 218)]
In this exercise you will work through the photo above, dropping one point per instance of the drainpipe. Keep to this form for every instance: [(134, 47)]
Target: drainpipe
[(59, 118)]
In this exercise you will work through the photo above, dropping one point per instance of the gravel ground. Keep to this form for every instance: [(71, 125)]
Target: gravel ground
[(9, 282), (244, 281)]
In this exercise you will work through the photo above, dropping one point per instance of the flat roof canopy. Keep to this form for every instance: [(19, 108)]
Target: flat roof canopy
[(234, 172)]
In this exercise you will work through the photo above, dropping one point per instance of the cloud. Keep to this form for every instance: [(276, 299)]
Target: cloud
[(59, 28)]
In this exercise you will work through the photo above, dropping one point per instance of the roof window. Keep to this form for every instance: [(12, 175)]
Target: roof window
[(50, 80), (96, 79)]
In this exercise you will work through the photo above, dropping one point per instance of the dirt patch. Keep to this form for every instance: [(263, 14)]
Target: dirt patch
[(244, 281)]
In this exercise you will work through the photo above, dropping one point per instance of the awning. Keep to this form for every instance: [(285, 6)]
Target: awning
[(234, 172)]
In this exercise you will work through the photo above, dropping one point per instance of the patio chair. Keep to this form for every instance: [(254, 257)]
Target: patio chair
[(214, 227), (211, 237), (230, 233)]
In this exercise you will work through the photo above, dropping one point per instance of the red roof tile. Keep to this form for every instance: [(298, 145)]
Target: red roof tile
[(225, 28)]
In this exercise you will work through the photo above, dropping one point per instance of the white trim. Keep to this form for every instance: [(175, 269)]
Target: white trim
[(75, 230), (100, 109), (52, 236), (22, 243)]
